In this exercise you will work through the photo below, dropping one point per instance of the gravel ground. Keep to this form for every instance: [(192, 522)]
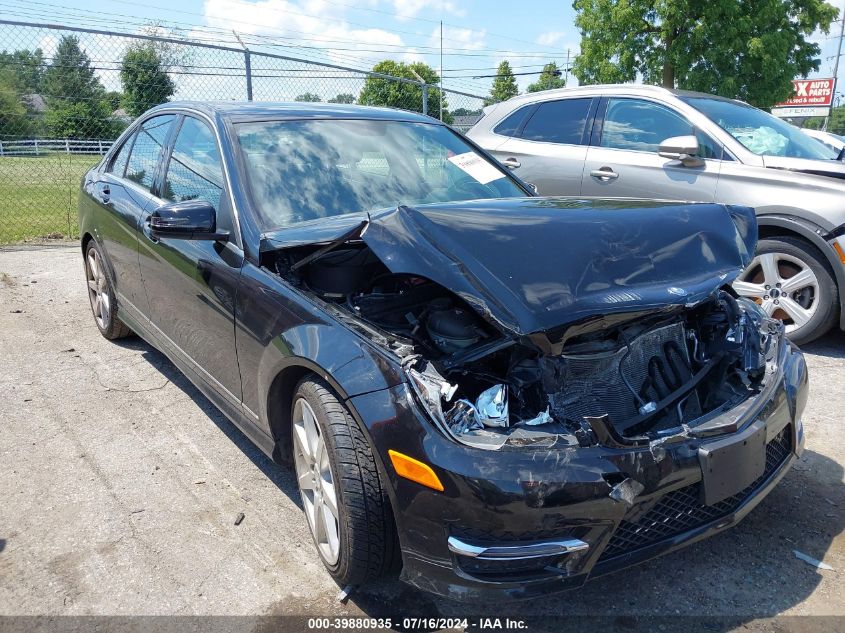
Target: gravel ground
[(121, 484)]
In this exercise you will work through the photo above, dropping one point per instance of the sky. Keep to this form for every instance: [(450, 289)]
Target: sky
[(477, 35)]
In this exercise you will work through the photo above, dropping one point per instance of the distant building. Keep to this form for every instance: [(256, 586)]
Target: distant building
[(35, 103), (123, 116), (463, 123)]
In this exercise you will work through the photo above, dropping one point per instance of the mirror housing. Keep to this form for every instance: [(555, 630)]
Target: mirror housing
[(186, 220), (682, 148)]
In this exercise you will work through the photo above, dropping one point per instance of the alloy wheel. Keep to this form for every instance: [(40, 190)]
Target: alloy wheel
[(98, 288), (785, 287), (316, 481)]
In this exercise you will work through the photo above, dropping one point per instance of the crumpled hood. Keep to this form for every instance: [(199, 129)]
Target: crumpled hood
[(533, 264)]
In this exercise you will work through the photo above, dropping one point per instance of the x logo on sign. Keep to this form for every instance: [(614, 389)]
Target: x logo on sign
[(801, 88)]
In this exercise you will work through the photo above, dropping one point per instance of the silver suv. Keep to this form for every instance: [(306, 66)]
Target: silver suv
[(650, 142)]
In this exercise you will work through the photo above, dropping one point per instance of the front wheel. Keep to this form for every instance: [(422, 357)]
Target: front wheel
[(345, 504), (790, 279)]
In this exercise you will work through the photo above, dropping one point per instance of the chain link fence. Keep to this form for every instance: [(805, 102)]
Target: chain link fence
[(66, 94)]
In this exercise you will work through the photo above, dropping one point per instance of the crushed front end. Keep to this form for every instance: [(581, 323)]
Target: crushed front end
[(702, 417), (591, 399)]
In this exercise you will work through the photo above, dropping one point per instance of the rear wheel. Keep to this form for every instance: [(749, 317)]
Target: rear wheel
[(345, 504), (791, 281), (101, 295)]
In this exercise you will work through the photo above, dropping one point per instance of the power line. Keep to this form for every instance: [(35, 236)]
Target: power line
[(329, 52)]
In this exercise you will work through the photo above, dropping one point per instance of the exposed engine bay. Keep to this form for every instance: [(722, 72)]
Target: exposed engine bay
[(636, 376)]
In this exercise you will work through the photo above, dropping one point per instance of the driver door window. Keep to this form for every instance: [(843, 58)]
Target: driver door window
[(638, 125), (195, 170)]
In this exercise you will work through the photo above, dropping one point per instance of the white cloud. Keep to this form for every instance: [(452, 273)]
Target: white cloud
[(550, 38), (457, 38), (315, 25), (310, 23), (406, 9)]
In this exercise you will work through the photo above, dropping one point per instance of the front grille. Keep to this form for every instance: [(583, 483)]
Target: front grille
[(681, 510)]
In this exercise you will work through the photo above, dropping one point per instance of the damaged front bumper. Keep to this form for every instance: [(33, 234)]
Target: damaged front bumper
[(525, 521)]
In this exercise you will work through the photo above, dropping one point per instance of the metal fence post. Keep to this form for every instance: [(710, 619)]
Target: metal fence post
[(425, 98), (248, 67)]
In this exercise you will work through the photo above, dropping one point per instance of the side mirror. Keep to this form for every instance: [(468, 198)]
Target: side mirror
[(682, 148), (186, 220)]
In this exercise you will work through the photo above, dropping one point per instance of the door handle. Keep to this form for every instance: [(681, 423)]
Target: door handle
[(511, 163), (604, 173), (104, 193)]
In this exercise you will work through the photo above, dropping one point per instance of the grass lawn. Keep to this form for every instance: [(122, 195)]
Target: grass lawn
[(38, 195)]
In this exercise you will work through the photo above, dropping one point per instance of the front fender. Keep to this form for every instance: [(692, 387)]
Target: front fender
[(349, 364), (280, 330)]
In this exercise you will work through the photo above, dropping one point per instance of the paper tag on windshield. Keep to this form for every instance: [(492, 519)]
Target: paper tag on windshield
[(476, 167)]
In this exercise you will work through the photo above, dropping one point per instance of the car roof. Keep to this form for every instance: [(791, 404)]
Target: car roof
[(610, 89), (256, 110)]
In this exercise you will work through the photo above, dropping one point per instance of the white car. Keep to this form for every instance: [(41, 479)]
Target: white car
[(636, 141), (833, 141)]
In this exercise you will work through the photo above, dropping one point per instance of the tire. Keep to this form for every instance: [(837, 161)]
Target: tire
[(366, 539), (810, 305), (101, 295)]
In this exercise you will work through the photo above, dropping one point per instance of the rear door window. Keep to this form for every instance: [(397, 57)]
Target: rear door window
[(147, 150), (558, 122), (118, 163)]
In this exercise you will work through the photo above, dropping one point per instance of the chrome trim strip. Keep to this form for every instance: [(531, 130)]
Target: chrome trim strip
[(122, 300), (516, 552)]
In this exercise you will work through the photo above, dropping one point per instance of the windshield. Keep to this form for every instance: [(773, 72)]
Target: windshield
[(759, 131), (303, 170)]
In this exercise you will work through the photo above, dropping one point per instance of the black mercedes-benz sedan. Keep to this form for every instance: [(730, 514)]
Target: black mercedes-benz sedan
[(501, 394)]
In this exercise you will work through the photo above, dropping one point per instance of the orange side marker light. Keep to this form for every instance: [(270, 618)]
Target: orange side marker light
[(839, 251), (415, 470)]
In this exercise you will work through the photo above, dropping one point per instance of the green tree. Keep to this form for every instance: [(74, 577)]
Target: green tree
[(835, 125), (113, 99), (14, 122), (746, 49), (379, 91), (308, 97), (144, 78), (344, 97), (27, 68), (76, 105), (549, 79), (504, 85)]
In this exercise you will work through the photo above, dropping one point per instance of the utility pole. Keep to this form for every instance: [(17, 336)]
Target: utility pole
[(836, 63), (441, 68), (567, 67)]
